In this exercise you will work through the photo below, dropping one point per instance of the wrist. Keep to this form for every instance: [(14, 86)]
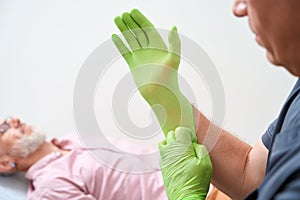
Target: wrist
[(172, 111)]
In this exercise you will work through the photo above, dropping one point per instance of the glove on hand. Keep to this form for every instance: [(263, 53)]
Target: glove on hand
[(186, 166), (154, 68)]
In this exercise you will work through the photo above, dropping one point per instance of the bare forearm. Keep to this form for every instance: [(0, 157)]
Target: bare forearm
[(232, 163)]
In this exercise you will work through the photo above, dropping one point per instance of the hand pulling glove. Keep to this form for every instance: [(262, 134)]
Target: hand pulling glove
[(186, 166)]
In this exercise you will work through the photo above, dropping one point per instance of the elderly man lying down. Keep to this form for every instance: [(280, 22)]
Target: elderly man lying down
[(63, 169)]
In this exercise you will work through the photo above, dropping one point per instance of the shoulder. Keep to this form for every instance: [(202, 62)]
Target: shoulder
[(292, 118), (268, 135), (289, 116)]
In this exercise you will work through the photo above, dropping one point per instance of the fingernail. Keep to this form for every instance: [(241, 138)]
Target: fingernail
[(241, 6)]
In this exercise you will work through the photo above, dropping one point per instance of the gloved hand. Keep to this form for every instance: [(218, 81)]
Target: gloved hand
[(185, 165), (154, 68)]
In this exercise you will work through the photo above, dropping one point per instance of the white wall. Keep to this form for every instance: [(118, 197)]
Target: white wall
[(44, 43)]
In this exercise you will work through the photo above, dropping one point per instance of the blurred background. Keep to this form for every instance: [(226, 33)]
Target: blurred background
[(45, 43)]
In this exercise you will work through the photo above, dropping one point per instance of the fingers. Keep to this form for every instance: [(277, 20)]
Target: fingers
[(154, 38), (141, 20), (125, 52), (170, 137), (139, 33), (174, 41), (183, 135), (128, 35)]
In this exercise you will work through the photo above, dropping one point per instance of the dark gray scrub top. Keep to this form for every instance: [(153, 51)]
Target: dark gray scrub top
[(282, 180)]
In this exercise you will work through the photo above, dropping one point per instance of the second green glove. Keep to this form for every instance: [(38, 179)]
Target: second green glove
[(186, 166)]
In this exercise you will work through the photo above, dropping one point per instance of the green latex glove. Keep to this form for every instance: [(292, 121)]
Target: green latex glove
[(154, 68), (185, 165)]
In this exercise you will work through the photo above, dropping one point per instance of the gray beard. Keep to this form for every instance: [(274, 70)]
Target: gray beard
[(28, 144)]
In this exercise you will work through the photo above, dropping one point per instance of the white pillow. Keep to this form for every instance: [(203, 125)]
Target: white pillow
[(13, 187)]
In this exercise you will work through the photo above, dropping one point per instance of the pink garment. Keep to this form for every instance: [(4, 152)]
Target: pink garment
[(77, 175)]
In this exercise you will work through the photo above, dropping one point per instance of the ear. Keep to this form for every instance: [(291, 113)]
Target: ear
[(7, 164)]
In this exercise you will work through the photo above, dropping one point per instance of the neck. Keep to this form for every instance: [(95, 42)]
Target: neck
[(23, 164)]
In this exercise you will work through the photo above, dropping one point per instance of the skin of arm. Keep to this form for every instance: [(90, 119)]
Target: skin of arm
[(238, 168)]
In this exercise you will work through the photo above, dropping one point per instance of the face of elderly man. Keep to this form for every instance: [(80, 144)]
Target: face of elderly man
[(276, 25), (18, 139)]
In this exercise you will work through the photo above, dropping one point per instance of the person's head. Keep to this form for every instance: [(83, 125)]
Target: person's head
[(276, 24), (17, 141)]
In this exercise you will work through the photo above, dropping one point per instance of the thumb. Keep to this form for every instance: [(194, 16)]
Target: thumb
[(162, 144), (174, 41), (200, 150)]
